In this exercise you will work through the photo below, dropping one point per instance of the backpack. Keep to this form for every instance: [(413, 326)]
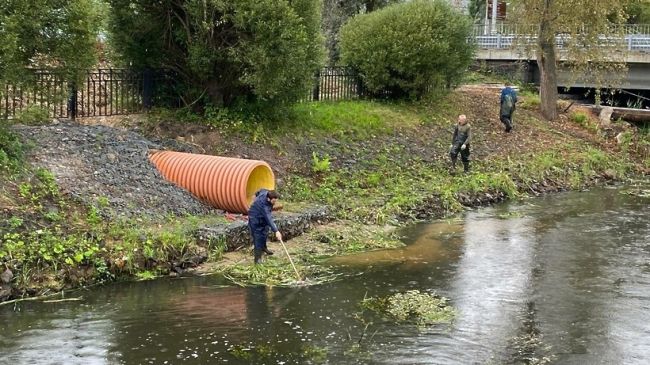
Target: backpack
[(508, 104)]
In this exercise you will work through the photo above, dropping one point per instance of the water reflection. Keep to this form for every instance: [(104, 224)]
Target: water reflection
[(492, 281), (69, 338)]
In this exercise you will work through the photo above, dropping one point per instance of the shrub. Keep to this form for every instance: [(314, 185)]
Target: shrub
[(224, 51), (408, 48), (11, 150), (579, 117), (32, 115)]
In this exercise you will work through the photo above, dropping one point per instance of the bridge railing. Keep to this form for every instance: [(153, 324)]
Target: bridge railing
[(503, 36), (517, 29)]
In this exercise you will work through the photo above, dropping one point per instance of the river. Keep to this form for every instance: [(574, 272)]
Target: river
[(562, 279)]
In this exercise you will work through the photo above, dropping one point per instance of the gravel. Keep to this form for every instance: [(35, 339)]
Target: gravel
[(95, 161)]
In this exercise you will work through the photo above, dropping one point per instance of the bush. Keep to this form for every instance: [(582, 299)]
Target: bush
[(32, 115), (11, 151), (408, 48), (579, 117), (224, 51)]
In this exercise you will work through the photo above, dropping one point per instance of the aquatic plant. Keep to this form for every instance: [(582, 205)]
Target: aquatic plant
[(412, 306), (275, 272)]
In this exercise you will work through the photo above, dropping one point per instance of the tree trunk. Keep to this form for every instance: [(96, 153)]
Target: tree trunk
[(546, 59)]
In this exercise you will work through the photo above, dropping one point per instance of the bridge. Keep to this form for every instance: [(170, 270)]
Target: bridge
[(500, 46)]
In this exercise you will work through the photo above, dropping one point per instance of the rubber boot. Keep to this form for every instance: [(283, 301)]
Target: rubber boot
[(258, 256), (453, 164), (508, 125), (466, 166), (268, 252)]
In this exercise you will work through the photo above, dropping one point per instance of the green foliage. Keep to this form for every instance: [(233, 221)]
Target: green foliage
[(579, 117), (318, 164), (336, 13), (32, 115), (638, 12), (47, 33), (11, 151), (408, 48), (274, 272), (476, 9), (224, 51), (412, 306), (530, 99), (625, 140), (145, 275), (355, 119)]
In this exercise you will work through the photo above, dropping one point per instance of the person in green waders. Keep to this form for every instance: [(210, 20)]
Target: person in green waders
[(260, 220), (460, 143)]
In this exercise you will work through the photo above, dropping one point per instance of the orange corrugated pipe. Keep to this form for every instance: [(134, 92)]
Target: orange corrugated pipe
[(223, 182)]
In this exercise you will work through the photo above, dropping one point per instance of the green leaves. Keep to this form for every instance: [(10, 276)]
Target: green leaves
[(408, 48), (47, 33), (224, 51)]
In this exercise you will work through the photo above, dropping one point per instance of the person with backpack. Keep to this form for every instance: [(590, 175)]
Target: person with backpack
[(260, 220), (460, 143), (508, 103)]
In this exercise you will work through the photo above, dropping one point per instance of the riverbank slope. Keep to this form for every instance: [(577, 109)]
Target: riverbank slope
[(85, 206)]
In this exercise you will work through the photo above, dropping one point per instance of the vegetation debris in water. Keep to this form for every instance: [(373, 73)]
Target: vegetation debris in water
[(257, 353), (424, 309), (275, 272)]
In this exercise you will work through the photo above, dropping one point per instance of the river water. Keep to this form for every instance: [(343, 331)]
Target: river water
[(563, 279)]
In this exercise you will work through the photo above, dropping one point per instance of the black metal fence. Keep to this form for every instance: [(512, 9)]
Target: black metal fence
[(107, 92), (103, 92), (336, 83)]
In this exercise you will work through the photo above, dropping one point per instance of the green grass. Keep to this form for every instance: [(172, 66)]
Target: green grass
[(355, 118), (530, 99), (579, 117)]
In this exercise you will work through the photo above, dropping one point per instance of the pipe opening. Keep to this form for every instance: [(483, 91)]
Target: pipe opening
[(260, 177)]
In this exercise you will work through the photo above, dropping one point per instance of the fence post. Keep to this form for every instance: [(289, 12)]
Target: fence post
[(629, 42), (147, 89), (316, 91), (72, 101), (359, 84)]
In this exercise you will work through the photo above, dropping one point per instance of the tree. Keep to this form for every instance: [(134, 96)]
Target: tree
[(476, 9), (639, 11), (586, 27), (59, 34), (337, 12), (224, 51), (408, 48)]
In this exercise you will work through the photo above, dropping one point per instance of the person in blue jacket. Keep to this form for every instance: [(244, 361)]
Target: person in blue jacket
[(260, 220), (508, 103)]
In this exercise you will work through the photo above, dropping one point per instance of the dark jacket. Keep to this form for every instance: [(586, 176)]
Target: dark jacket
[(259, 214), (508, 108), (462, 134)]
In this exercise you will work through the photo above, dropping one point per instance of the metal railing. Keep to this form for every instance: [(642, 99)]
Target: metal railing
[(635, 37), (103, 92), (108, 92), (519, 29), (336, 83)]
